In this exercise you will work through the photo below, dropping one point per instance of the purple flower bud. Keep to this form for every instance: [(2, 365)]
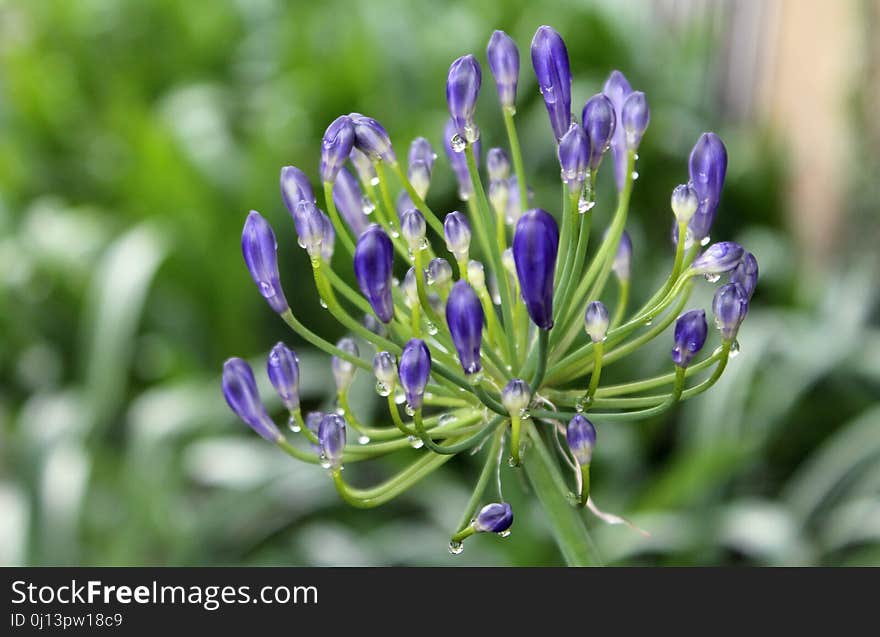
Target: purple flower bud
[(313, 423), (336, 146), (283, 369), (746, 274), (635, 116), (240, 391), (413, 228), (617, 89), (371, 138), (410, 289), (364, 167), (465, 318), (494, 518), (458, 161), (581, 437), (499, 196), (707, 166), (476, 275), (421, 150), (310, 230), (439, 272), (385, 369), (516, 396), (550, 61), (328, 238), (574, 157), (413, 371), (623, 258), (331, 437), (689, 336), (349, 200), (515, 207), (343, 370), (503, 59), (730, 305), (373, 263), (535, 244), (462, 90), (259, 248), (599, 121), (403, 203), (684, 204), (596, 321), (718, 258), (295, 187), (457, 232), (497, 163)]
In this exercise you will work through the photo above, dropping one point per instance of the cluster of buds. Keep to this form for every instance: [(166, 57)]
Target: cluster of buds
[(504, 352)]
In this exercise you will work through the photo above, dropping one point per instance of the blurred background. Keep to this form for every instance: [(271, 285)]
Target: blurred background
[(135, 135)]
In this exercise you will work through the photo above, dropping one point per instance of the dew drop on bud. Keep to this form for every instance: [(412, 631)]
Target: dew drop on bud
[(325, 464), (505, 533), (293, 425), (432, 330), (367, 205), (734, 349), (382, 389), (447, 419), (635, 175), (455, 548), (712, 278), (409, 409), (374, 181), (457, 143), (322, 302), (363, 439), (705, 241), (414, 442)]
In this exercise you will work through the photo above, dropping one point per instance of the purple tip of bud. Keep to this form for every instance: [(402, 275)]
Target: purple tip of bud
[(349, 200), (462, 90), (503, 59), (596, 321), (343, 370), (494, 518), (371, 138), (457, 232), (497, 164), (684, 204), (458, 161), (240, 391), (635, 116), (295, 187), (421, 150), (414, 369), (617, 89), (413, 228), (581, 437), (707, 167), (535, 245), (336, 146), (403, 203), (282, 367), (550, 61), (623, 259), (746, 274), (364, 167), (730, 305), (718, 258), (310, 229), (439, 272), (373, 264), (599, 121), (465, 318), (515, 207), (516, 396), (574, 157), (259, 248), (331, 437), (689, 336)]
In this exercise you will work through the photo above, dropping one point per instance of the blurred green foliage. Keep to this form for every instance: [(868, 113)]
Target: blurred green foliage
[(134, 137)]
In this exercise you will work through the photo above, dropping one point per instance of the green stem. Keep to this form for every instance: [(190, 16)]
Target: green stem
[(516, 154), (336, 220)]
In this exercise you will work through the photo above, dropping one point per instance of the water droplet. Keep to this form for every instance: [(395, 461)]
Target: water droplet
[(649, 320), (395, 234), (267, 289), (293, 425), (705, 241), (505, 533), (339, 411), (423, 244), (525, 414), (367, 205), (511, 462), (457, 143), (382, 389), (415, 443), (635, 175), (325, 464), (432, 329), (374, 181), (447, 419), (582, 403), (572, 498), (734, 349), (322, 302), (549, 94), (712, 278), (455, 548), (363, 439), (585, 204), (636, 156), (409, 409), (399, 395)]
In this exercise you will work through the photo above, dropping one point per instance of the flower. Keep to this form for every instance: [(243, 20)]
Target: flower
[(258, 246), (550, 61), (503, 59), (413, 228), (623, 258), (385, 369), (464, 316), (689, 336), (371, 138), (413, 371), (718, 258), (282, 367), (581, 437), (457, 232), (462, 90), (707, 167), (336, 146), (343, 370), (599, 121), (596, 321), (730, 305), (373, 262), (746, 273), (684, 203), (458, 161), (494, 518), (331, 438), (617, 89), (295, 187), (516, 396), (574, 157), (634, 117), (349, 200), (535, 244), (240, 391)]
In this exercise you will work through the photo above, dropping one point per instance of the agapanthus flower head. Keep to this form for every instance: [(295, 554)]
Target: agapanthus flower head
[(464, 317), (718, 258), (282, 366), (295, 187), (574, 157), (462, 90), (684, 203), (240, 391), (349, 200), (458, 161), (599, 121), (535, 245), (596, 321), (413, 228), (707, 167), (259, 248), (617, 89), (623, 258), (516, 396), (457, 232), (373, 268), (385, 369), (730, 306), (371, 138), (634, 116), (331, 437), (550, 61), (746, 273), (689, 336), (439, 272), (414, 369), (494, 518), (336, 146), (503, 59), (581, 437), (343, 370), (497, 164)]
